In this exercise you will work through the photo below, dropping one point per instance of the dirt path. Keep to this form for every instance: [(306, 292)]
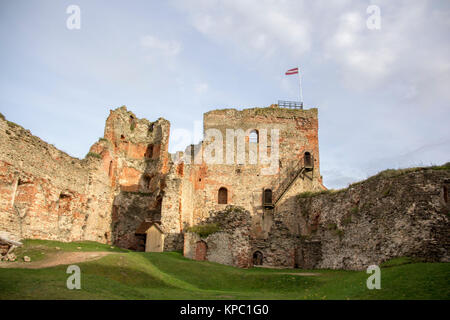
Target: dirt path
[(56, 259)]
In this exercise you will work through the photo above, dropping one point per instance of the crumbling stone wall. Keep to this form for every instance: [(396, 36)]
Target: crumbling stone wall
[(279, 246), (393, 214), (137, 153), (235, 242), (129, 210), (403, 213), (46, 194), (231, 244)]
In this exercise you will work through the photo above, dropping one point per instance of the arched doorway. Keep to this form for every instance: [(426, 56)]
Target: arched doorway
[(200, 251), (267, 201), (257, 258), (223, 196), (307, 160)]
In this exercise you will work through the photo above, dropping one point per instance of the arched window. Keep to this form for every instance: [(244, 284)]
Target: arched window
[(267, 196), (159, 204), (253, 136), (110, 168), (147, 181), (307, 159), (132, 123), (257, 258), (149, 152), (223, 196)]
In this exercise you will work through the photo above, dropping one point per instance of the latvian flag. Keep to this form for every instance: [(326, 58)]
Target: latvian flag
[(292, 71)]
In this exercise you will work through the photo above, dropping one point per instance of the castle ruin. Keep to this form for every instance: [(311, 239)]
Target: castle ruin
[(131, 192)]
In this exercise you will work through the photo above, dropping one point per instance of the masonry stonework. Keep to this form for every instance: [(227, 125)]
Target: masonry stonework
[(196, 182), (46, 194), (384, 217), (378, 219), (255, 176)]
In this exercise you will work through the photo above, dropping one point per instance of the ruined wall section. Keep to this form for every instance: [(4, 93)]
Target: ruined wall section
[(136, 154), (278, 248), (289, 202), (298, 133), (390, 215), (100, 196), (230, 245), (393, 214), (182, 200), (45, 193), (171, 213)]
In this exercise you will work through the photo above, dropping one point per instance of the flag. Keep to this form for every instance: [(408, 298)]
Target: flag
[(292, 71)]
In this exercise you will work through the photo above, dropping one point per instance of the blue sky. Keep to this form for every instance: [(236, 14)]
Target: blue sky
[(383, 95)]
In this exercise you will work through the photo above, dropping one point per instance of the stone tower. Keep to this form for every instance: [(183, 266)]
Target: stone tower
[(261, 157)]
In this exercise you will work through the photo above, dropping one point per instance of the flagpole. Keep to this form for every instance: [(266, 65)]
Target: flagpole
[(300, 84)]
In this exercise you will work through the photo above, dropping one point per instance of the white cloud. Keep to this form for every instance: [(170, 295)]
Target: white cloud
[(260, 27), (269, 31), (350, 26), (165, 47), (201, 88)]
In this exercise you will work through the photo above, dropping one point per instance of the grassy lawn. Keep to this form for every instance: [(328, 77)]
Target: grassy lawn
[(134, 275), (39, 249)]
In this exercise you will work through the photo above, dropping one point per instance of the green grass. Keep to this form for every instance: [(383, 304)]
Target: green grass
[(93, 155), (138, 275), (386, 174), (310, 194), (12, 124), (39, 249), (204, 230), (399, 261), (392, 173)]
